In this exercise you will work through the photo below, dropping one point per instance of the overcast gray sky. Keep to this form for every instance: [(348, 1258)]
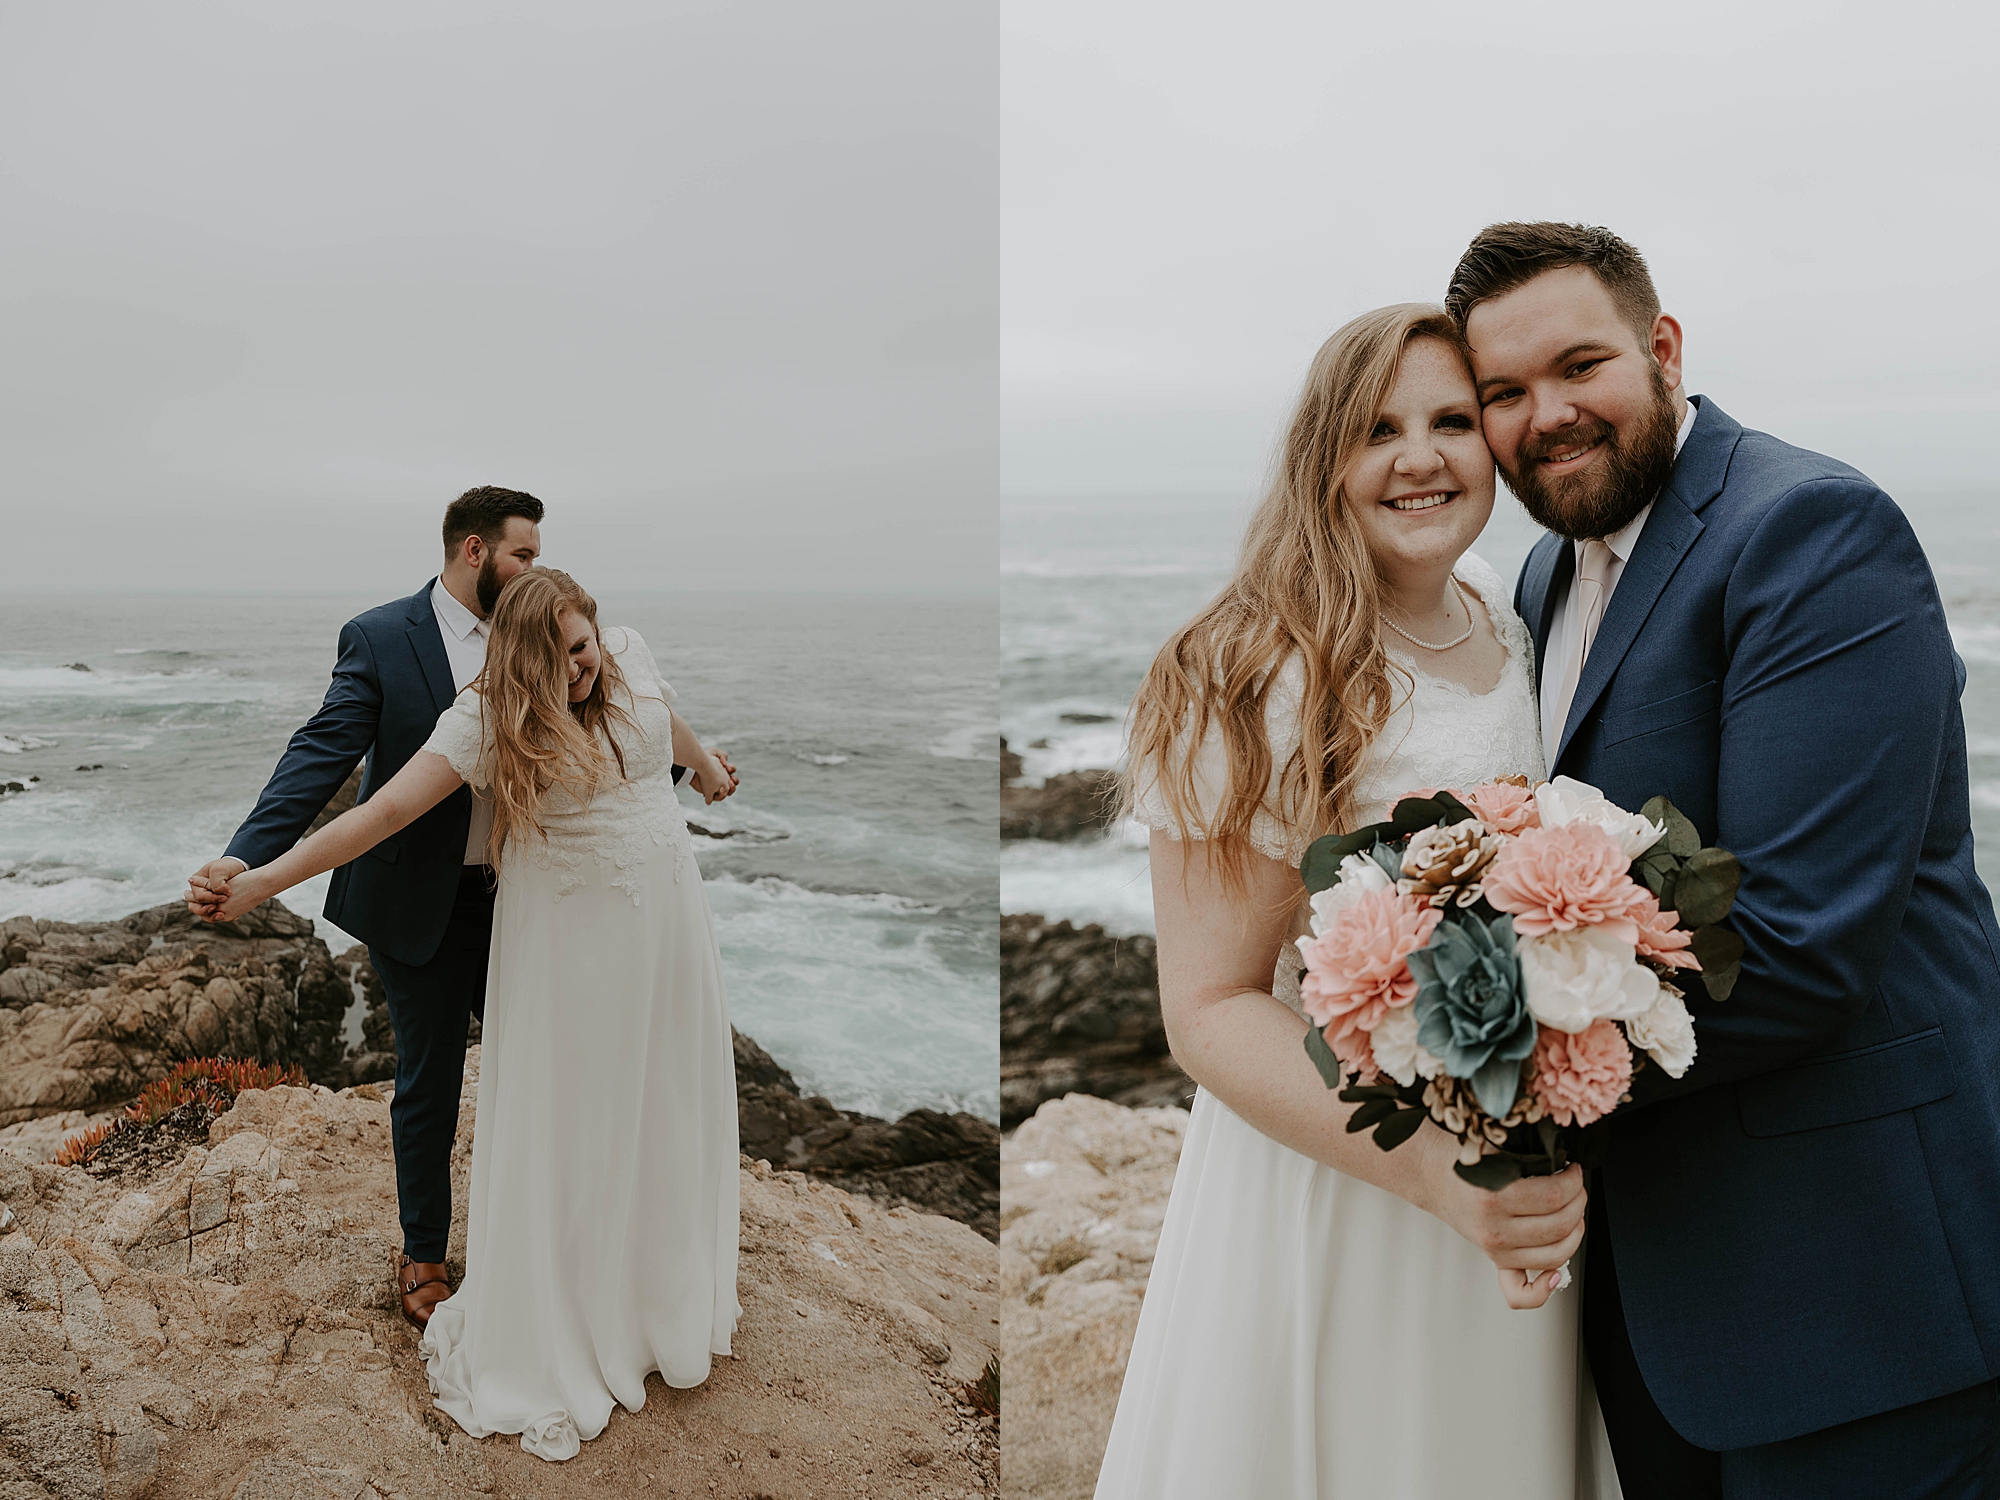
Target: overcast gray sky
[(1195, 195), (716, 281)]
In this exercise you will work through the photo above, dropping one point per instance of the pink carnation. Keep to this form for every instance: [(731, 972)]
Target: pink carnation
[(1356, 1050), (1581, 1076), (1659, 938), (1560, 879), (1504, 807), (1358, 968)]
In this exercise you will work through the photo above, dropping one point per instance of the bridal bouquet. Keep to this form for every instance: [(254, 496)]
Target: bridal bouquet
[(1502, 961)]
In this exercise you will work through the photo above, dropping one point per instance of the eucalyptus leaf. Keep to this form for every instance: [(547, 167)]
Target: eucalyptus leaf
[(1707, 886), (1455, 811), (1332, 1071), (1389, 860), (1374, 1112), (1718, 948), (1670, 889), (1356, 1093), (1413, 814), (1399, 1127), (1320, 869), (1490, 1172), (1681, 839), (1721, 983)]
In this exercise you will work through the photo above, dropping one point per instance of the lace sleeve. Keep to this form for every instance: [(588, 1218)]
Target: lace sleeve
[(1271, 834), (635, 660), (461, 739)]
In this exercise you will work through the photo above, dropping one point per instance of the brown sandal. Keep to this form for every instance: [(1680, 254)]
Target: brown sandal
[(412, 1275)]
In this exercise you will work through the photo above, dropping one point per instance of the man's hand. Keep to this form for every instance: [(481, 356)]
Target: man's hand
[(208, 887), (246, 892), (716, 780), (1528, 1229)]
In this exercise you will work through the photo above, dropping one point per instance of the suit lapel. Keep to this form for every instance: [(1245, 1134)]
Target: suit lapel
[(1670, 532), (1544, 578), (427, 641)]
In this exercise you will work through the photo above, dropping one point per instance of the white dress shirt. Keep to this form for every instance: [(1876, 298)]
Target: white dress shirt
[(465, 648), (1563, 628)]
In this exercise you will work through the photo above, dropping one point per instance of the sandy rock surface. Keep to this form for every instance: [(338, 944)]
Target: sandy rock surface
[(227, 1329), (1084, 1188)]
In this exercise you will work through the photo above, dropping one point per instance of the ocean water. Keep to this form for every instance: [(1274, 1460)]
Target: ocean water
[(1091, 588), (852, 877)]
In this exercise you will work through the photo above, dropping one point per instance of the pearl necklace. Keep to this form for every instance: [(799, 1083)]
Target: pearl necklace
[(1458, 640)]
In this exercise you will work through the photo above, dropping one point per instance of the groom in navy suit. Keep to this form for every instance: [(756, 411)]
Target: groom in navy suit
[(422, 900), (1792, 1284)]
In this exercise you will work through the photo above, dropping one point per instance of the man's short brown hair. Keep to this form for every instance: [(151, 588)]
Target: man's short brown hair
[(484, 512), (1504, 256)]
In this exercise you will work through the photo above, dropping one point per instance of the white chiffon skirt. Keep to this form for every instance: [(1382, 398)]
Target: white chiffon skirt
[(602, 1227), (1308, 1336)]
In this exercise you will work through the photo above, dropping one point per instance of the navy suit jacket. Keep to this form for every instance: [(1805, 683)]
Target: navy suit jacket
[(1807, 1225), (390, 683)]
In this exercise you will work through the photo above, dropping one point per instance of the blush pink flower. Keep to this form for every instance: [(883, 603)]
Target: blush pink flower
[(1581, 1076), (1560, 879), (1356, 1050), (1659, 939), (1359, 967), (1504, 807)]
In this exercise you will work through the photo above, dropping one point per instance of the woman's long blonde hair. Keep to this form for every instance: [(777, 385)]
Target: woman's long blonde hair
[(541, 740), (1304, 586)]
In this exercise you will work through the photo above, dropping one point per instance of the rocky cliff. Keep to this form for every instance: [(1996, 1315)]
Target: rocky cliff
[(226, 1328), (1080, 1013), (91, 1012)]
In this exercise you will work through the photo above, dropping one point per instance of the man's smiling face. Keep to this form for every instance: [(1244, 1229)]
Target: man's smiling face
[(1580, 412)]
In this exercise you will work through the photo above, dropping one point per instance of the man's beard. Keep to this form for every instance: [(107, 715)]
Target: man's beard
[(1600, 503), (489, 585)]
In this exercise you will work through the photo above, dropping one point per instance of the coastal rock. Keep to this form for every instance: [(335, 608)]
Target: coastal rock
[(1086, 1185), (934, 1162), (91, 1012), (1071, 805), (104, 1008), (227, 1329), (1080, 1013)]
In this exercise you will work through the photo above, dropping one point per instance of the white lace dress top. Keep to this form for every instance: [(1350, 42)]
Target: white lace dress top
[(623, 826), (1439, 733)]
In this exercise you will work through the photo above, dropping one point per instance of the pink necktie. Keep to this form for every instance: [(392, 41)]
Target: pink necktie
[(1593, 559)]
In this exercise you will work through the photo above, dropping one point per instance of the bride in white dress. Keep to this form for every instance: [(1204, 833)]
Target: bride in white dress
[(601, 1237), (1324, 1319)]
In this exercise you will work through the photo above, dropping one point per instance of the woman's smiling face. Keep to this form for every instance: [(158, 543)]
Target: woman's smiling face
[(1422, 488), (580, 643)]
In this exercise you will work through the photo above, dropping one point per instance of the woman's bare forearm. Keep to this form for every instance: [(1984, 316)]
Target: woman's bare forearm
[(688, 751), (410, 794), (1248, 1049)]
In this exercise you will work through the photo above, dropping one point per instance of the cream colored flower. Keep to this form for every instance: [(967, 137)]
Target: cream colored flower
[(1359, 875), (1573, 979), (1397, 1050), (1566, 800), (1665, 1033)]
